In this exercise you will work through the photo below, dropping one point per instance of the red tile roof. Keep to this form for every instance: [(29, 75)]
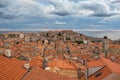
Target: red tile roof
[(112, 76), (96, 63), (36, 61), (63, 64), (104, 73), (109, 68), (11, 69), (37, 73), (114, 67)]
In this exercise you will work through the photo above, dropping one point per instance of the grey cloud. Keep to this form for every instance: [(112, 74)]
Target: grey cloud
[(99, 9), (18, 8), (2, 5), (61, 13), (115, 1), (8, 16), (63, 7), (102, 15), (68, 7)]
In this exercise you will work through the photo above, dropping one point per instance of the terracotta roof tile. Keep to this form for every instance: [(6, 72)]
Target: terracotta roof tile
[(109, 67), (11, 68), (96, 63), (62, 64), (113, 66), (112, 76), (39, 74), (104, 73), (36, 61)]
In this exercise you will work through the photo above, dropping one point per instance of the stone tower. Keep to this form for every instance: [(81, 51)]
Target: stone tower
[(105, 45)]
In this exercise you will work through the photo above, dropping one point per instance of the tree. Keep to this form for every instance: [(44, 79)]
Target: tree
[(79, 42)]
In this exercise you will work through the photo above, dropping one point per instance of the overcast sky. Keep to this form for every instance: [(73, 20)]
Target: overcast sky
[(35, 15)]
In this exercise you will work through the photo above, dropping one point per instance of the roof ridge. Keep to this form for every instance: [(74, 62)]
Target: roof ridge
[(26, 73)]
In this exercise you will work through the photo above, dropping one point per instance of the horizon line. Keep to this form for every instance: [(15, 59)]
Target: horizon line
[(56, 30)]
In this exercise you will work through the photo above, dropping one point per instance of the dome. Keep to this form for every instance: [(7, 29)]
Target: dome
[(105, 37)]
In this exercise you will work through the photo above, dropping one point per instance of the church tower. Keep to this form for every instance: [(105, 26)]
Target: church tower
[(105, 45)]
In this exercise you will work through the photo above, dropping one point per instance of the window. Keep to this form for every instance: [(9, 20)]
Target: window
[(98, 74)]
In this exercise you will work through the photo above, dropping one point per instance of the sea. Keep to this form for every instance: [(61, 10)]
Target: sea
[(113, 35)]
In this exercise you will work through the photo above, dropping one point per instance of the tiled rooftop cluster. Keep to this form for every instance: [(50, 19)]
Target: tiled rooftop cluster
[(58, 55)]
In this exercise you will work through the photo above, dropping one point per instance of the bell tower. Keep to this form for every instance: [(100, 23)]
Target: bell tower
[(105, 45)]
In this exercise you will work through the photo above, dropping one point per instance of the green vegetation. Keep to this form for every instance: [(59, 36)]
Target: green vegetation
[(68, 38), (79, 42)]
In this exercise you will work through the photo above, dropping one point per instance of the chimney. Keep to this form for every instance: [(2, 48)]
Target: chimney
[(83, 62), (26, 65), (86, 70), (8, 53), (45, 63)]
